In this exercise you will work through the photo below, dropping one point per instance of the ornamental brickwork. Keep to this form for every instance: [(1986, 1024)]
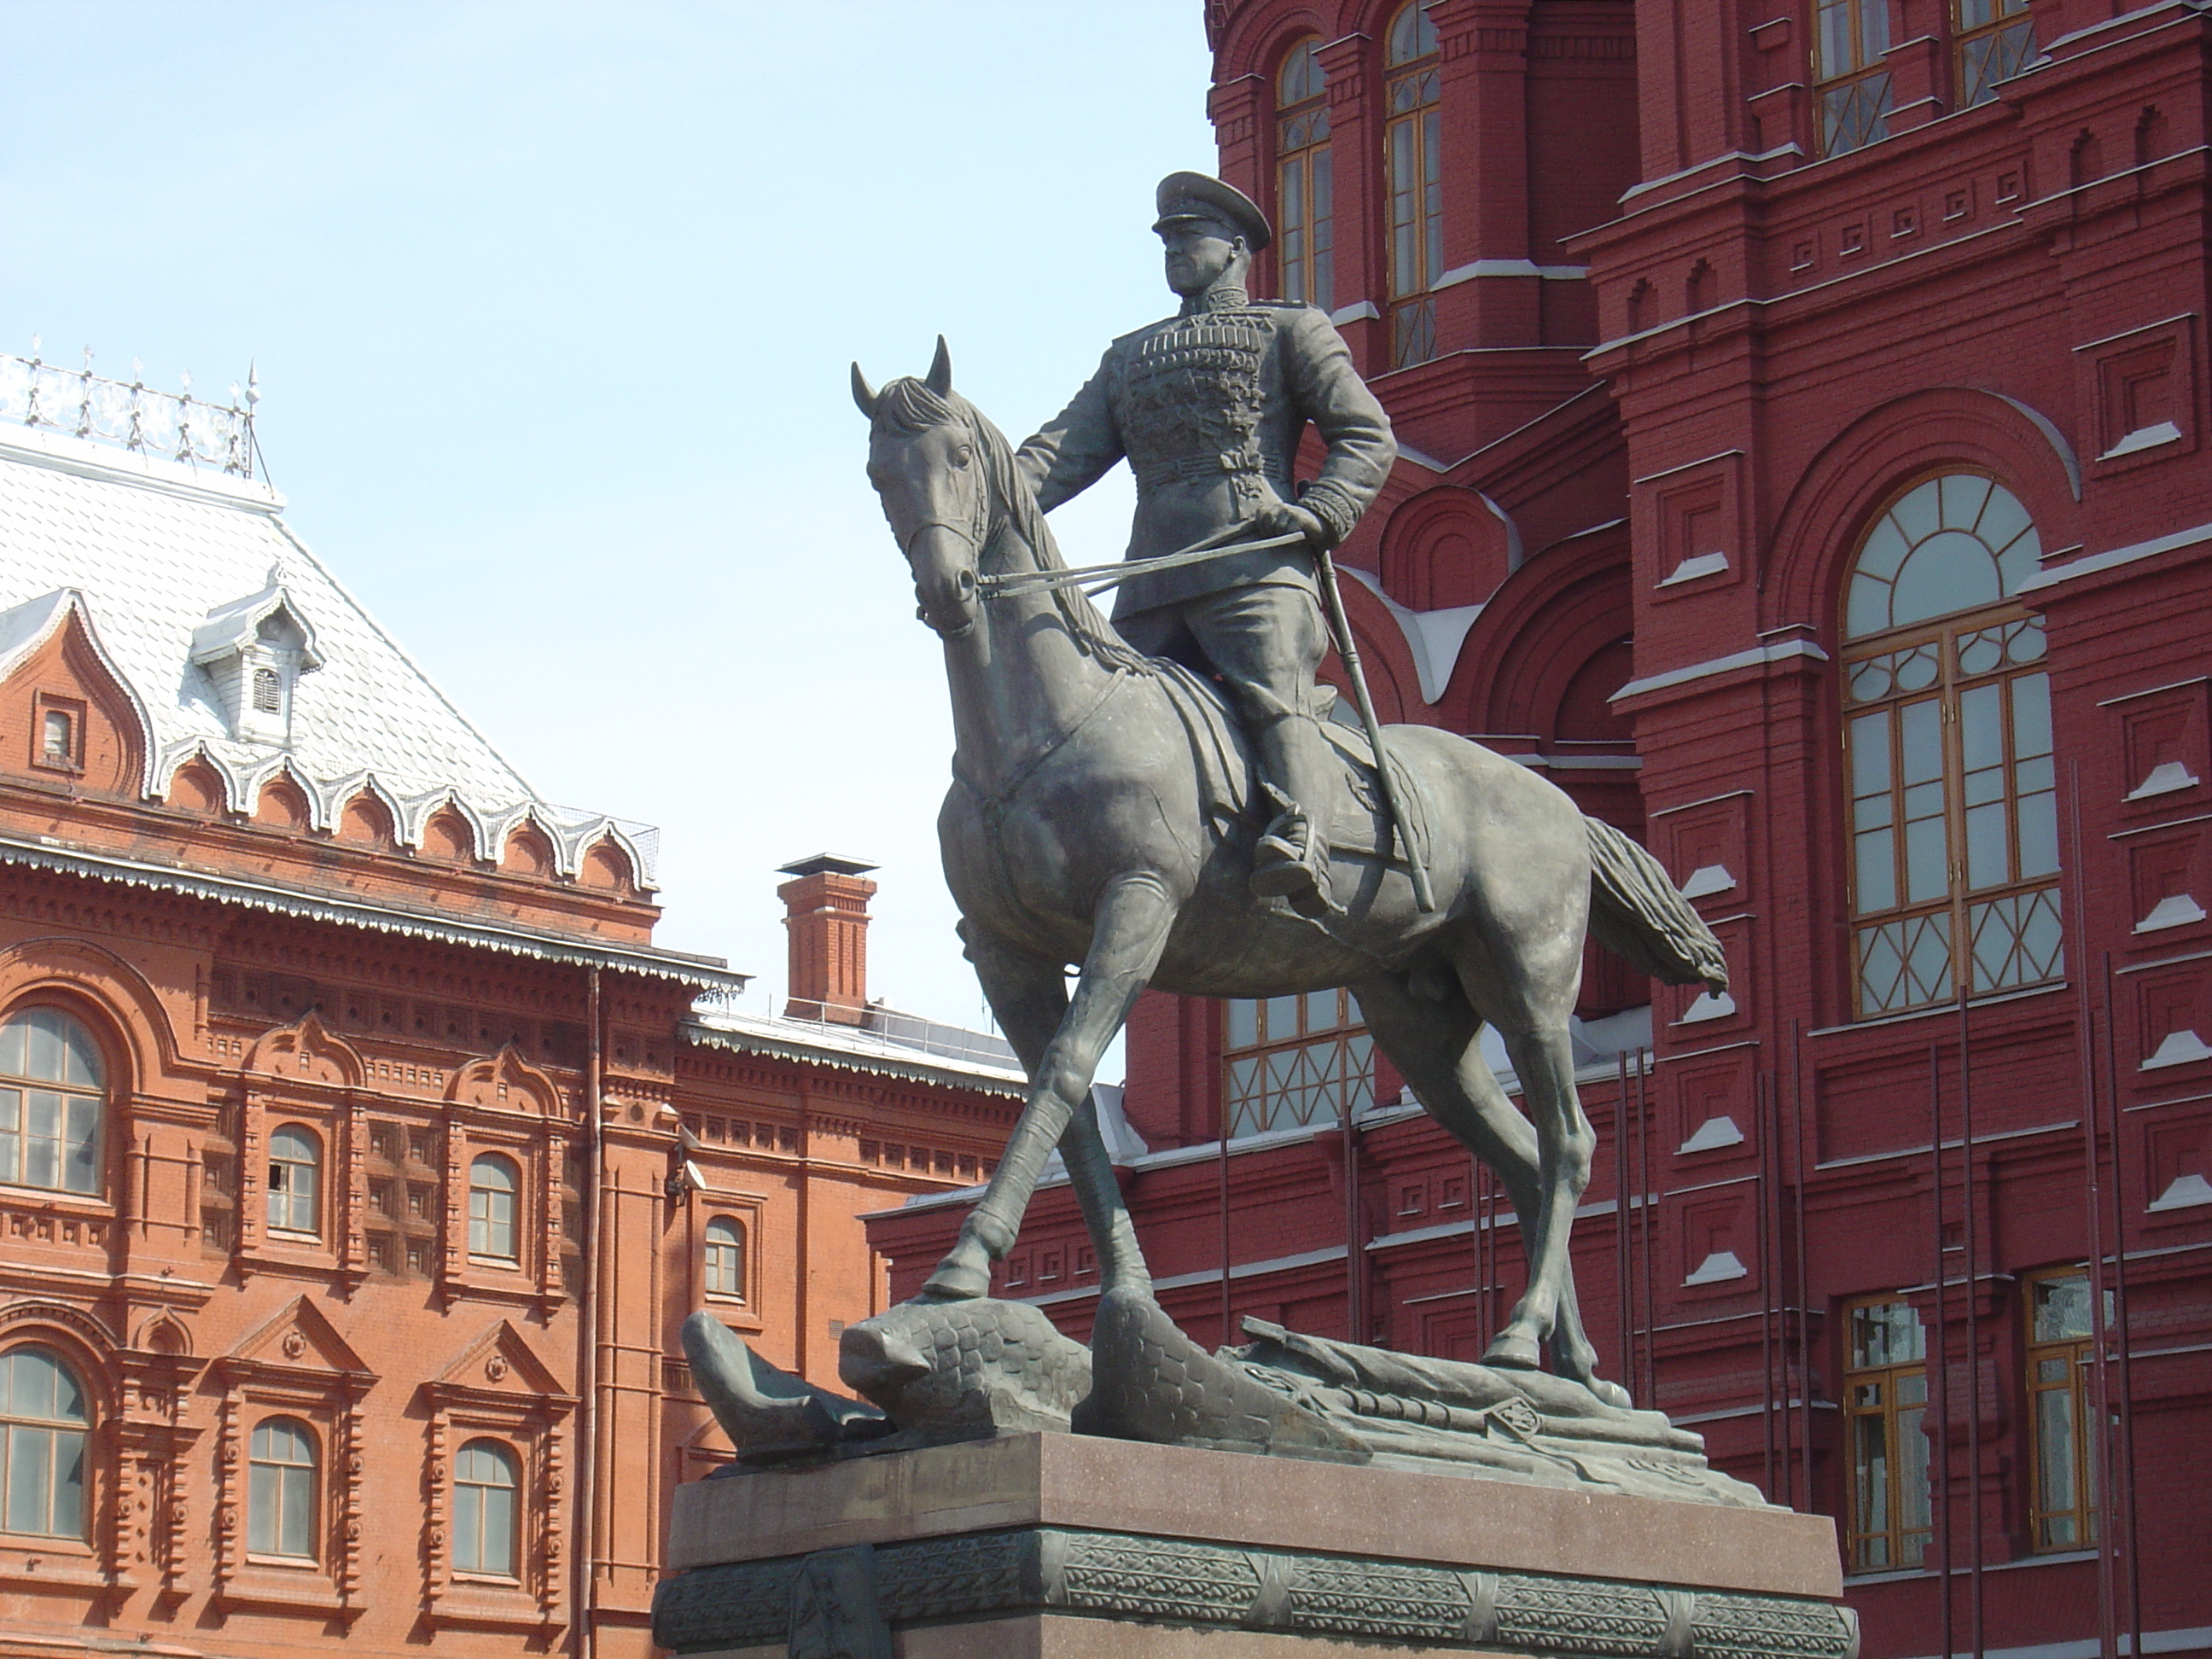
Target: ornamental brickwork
[(360, 1154), (1804, 470)]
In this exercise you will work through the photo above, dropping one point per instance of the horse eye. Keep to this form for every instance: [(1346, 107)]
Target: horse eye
[(963, 455)]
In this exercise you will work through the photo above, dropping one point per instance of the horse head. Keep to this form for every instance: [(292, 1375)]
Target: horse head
[(924, 460)]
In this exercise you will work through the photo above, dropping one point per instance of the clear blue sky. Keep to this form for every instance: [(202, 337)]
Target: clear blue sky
[(552, 305)]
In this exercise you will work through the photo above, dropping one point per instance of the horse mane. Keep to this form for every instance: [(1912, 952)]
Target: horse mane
[(906, 407)]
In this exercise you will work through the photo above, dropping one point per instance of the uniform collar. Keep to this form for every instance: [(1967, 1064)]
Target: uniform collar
[(1224, 296)]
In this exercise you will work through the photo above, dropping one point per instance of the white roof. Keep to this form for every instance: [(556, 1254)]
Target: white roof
[(165, 558)]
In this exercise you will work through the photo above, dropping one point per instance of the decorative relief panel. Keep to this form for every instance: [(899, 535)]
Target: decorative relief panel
[(1124, 1578)]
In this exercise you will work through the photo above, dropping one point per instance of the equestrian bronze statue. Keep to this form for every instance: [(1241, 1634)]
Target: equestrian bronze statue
[(1154, 801)]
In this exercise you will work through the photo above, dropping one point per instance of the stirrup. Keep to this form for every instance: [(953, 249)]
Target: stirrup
[(1283, 868)]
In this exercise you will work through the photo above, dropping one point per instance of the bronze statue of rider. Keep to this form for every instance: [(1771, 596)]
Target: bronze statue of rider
[(1208, 407)]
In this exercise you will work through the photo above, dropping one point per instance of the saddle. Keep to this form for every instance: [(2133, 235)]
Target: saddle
[(1355, 815)]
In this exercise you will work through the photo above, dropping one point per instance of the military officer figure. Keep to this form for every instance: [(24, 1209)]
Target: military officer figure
[(1208, 407)]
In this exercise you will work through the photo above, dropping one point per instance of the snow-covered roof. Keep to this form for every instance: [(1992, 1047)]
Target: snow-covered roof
[(892, 1045), (170, 564)]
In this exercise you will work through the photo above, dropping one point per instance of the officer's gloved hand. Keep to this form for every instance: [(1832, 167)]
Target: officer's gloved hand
[(1285, 518)]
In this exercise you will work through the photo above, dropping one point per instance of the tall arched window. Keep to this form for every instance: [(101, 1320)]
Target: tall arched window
[(280, 1496), (724, 1261), (295, 1185), (1955, 822), (43, 1424), (1303, 235), (494, 1182), (1413, 154), (51, 1096), (485, 1490)]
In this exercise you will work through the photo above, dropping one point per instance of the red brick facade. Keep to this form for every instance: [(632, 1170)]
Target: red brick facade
[(1698, 340), (361, 1164)]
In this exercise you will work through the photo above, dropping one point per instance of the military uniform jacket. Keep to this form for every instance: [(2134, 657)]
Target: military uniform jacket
[(1208, 408)]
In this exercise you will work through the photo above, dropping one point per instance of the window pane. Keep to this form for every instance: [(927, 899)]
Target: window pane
[(68, 1520), (29, 1454), (1244, 1023), (1282, 1021), (468, 1528), (2054, 1443)]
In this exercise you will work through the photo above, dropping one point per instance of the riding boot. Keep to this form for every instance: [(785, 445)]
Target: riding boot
[(1292, 861)]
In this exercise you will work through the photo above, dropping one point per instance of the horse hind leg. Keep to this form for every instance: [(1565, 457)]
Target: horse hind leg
[(1433, 1036)]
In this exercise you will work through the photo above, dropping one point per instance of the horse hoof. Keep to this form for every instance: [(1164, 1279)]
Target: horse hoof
[(955, 1282), (1514, 1354), (1612, 1393)]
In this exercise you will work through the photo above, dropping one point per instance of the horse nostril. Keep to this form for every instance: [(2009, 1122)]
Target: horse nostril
[(967, 584)]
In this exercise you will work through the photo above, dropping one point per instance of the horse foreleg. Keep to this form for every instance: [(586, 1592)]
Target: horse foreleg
[(1029, 995), (1129, 929)]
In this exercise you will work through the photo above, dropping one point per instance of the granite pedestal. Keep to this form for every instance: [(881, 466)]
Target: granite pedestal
[(1063, 1547)]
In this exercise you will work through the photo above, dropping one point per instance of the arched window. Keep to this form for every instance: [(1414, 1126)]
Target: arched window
[(493, 1183), (280, 1497), (1954, 820), (1303, 236), (726, 1258), (1851, 48), (485, 1485), (1413, 154), (1996, 40), (51, 1096), (43, 1424), (294, 1186)]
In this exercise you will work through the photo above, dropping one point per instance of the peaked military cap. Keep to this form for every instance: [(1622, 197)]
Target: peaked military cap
[(1195, 196)]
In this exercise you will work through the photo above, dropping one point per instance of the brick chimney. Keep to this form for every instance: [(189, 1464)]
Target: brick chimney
[(826, 914)]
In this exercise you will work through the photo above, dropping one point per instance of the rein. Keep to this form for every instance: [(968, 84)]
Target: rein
[(1098, 578)]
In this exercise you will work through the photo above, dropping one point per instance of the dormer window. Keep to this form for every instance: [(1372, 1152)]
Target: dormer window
[(253, 652), (57, 733)]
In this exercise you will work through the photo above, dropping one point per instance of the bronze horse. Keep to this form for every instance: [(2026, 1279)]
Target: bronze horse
[(1085, 828)]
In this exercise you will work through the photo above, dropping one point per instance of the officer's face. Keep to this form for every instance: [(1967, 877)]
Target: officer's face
[(1199, 253)]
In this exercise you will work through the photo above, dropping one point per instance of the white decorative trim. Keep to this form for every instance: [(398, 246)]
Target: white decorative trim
[(1712, 1134), (2163, 779), (2174, 910), (2185, 1192), (2117, 557), (2180, 1047), (1470, 271), (1718, 1268), (1697, 565), (1433, 638), (1359, 311), (1708, 1004), (2148, 437), (1706, 880), (1757, 656)]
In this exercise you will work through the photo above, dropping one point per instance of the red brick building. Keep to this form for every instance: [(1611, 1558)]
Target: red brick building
[(360, 1154), (1802, 416)]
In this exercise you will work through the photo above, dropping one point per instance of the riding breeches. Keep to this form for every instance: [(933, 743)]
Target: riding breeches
[(1265, 641)]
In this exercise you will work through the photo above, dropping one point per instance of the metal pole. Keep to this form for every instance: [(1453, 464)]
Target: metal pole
[(1221, 1185), (2126, 1414), (1973, 1326), (1939, 1365), (1423, 894), (2108, 1637), (1804, 1282), (1626, 1359), (1758, 1117), (1643, 1191)]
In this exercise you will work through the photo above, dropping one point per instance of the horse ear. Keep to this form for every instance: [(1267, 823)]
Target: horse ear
[(940, 370), (863, 393)]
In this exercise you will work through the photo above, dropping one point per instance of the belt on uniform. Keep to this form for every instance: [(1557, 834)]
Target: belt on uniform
[(1188, 469)]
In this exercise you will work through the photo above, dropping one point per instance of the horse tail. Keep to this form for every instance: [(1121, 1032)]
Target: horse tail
[(1637, 914)]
